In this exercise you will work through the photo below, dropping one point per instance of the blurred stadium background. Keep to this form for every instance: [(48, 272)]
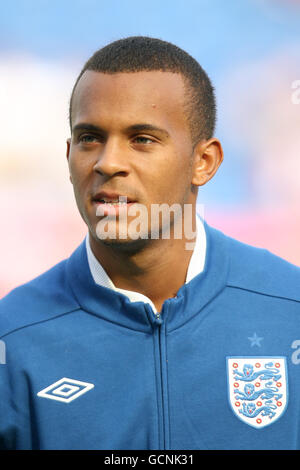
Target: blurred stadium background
[(249, 48)]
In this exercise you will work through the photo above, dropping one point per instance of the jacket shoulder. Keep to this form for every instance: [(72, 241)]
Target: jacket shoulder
[(259, 270), (40, 299)]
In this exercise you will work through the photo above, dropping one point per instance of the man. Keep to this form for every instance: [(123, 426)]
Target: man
[(158, 332)]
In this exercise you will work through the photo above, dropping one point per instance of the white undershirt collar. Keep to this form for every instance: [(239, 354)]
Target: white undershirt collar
[(196, 266)]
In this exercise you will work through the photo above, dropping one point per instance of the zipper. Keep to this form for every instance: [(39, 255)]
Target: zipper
[(158, 319), (161, 377)]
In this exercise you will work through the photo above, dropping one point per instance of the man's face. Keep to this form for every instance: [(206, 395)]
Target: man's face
[(130, 137)]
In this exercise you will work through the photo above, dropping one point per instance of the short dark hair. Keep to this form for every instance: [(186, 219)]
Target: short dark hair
[(139, 53)]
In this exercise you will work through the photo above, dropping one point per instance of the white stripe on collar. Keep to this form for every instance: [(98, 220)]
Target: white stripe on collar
[(196, 266)]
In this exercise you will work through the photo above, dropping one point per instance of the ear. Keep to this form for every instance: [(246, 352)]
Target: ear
[(208, 156), (68, 154)]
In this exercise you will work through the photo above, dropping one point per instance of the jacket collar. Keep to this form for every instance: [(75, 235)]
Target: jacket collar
[(115, 307), (195, 267)]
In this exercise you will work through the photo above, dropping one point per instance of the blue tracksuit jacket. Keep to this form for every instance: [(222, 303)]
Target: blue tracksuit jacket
[(84, 368)]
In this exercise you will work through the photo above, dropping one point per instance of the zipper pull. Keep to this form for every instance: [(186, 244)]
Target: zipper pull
[(158, 320)]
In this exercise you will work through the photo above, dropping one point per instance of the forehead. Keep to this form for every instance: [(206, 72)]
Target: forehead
[(121, 98)]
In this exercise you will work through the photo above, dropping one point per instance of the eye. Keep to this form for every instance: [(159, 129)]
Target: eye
[(140, 139), (87, 138)]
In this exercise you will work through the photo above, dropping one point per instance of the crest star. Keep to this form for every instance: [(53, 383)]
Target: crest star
[(255, 340)]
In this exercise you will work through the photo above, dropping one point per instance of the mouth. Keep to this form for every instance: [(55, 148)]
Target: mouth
[(111, 203)]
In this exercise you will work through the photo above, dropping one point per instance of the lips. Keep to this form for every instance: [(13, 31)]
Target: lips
[(105, 197), (112, 203)]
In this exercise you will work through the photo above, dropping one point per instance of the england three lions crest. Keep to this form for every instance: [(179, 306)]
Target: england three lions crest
[(257, 389)]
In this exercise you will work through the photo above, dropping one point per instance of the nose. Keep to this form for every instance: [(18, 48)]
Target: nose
[(112, 159)]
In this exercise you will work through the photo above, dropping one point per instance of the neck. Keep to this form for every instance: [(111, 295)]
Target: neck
[(155, 268)]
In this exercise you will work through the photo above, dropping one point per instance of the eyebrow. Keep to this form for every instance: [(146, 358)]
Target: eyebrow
[(147, 127), (134, 127), (84, 126)]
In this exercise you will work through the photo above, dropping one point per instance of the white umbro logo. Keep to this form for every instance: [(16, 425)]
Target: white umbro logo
[(65, 390)]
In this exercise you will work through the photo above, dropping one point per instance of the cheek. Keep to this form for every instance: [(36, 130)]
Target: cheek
[(173, 182), (178, 171), (80, 170)]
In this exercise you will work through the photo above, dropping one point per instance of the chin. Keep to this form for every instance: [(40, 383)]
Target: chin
[(126, 246), (115, 234)]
